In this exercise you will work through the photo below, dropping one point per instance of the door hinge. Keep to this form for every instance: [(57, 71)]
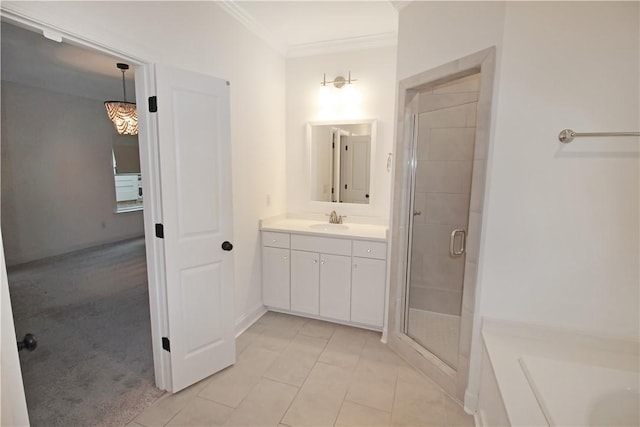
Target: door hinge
[(160, 231), (153, 104), (345, 186), (333, 145), (331, 190), (166, 345), (346, 148)]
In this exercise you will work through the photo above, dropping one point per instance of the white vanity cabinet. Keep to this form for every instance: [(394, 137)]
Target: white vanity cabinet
[(333, 278), (305, 280), (368, 283), (275, 270)]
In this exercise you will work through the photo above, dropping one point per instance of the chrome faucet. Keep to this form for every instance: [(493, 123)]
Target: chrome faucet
[(334, 218)]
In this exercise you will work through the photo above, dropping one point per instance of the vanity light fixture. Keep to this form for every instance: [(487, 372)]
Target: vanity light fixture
[(123, 114), (338, 82)]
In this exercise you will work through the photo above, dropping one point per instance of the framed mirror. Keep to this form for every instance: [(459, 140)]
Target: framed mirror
[(341, 156)]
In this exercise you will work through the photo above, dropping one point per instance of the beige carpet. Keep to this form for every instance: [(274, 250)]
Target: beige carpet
[(90, 313)]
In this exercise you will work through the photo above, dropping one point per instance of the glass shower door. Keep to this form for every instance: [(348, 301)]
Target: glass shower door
[(443, 161)]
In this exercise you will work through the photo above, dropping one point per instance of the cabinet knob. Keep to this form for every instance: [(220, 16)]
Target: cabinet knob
[(273, 240), (369, 250), (322, 262), (315, 261)]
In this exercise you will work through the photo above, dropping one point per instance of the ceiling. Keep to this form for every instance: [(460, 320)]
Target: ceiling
[(294, 28), (31, 59), (301, 28)]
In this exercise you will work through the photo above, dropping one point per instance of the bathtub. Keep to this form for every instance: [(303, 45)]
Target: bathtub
[(541, 376), (577, 394)]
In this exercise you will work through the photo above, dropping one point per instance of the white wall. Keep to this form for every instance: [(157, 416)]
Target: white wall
[(562, 236), (561, 232), (58, 191), (375, 71), (201, 37)]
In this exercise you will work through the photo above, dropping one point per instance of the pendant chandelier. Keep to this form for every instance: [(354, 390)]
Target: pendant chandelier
[(123, 114)]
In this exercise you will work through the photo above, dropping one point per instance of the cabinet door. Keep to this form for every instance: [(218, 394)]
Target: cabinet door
[(335, 286), (275, 277), (367, 291), (305, 275)]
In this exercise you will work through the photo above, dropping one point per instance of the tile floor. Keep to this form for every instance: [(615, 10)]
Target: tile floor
[(293, 371)]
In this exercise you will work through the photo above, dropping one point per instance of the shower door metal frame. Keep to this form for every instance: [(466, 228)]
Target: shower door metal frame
[(412, 198)]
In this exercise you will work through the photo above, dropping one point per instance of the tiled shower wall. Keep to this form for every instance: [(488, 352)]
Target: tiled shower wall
[(446, 136)]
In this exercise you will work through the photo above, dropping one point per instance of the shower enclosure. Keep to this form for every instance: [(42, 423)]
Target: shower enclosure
[(441, 173), (441, 156)]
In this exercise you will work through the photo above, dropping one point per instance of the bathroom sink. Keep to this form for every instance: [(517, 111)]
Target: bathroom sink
[(329, 227)]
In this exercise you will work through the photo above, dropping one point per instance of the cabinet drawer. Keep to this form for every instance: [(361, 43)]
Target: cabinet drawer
[(367, 249), (276, 240), (326, 245)]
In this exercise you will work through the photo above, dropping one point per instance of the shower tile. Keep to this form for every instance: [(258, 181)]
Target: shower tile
[(433, 238), (445, 118), (465, 84), (419, 205), (444, 177), (437, 332), (472, 110), (433, 102), (443, 272), (444, 276), (435, 300), (451, 144), (443, 208), (478, 185)]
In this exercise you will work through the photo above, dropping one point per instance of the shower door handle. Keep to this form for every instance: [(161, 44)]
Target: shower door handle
[(452, 242)]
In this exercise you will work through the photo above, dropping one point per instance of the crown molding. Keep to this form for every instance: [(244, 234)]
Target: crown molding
[(400, 4), (343, 45), (234, 8), (243, 17)]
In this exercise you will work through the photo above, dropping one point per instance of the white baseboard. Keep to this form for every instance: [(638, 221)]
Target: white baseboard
[(248, 319)]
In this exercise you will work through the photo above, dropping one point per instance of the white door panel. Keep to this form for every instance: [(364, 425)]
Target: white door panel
[(305, 282), (356, 155), (335, 286), (194, 147), (367, 291), (275, 277)]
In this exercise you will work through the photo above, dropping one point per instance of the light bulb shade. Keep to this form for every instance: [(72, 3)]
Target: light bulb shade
[(124, 116)]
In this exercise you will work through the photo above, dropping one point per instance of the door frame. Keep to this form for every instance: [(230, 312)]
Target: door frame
[(149, 167), (463, 382)]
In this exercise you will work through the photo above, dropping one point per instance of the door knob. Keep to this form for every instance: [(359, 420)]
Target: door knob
[(227, 246), (29, 342)]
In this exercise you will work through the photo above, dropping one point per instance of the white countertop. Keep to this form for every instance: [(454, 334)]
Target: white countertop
[(350, 230), (508, 343)]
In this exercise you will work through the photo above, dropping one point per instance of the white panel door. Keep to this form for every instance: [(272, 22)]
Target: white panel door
[(367, 291), (275, 277), (305, 277), (335, 286), (355, 165), (195, 174)]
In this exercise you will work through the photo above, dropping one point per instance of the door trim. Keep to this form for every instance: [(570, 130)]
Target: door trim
[(148, 145), (463, 383)]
